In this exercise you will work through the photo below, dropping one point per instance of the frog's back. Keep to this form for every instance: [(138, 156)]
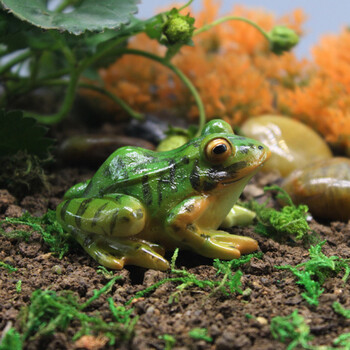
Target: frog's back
[(125, 165)]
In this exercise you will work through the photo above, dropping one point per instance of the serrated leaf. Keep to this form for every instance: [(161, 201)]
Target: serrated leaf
[(87, 15), (18, 133)]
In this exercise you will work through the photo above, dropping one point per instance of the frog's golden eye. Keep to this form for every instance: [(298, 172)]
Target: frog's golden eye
[(218, 150)]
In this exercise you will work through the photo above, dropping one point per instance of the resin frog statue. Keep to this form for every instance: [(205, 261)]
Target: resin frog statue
[(141, 202)]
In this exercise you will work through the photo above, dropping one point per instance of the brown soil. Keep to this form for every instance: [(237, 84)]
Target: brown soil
[(234, 322)]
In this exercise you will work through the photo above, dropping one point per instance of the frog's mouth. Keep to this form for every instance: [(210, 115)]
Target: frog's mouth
[(245, 175), (241, 170)]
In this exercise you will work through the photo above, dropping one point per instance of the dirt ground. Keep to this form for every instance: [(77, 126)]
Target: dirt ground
[(233, 322)]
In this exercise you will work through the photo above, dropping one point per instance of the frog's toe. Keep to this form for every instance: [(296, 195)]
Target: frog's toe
[(105, 258), (245, 245), (147, 258), (227, 247)]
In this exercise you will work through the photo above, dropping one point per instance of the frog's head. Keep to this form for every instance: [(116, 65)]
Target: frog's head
[(225, 158)]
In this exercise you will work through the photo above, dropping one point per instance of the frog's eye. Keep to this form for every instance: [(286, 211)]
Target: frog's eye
[(218, 150)]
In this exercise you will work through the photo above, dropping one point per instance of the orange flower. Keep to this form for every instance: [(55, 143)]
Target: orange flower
[(238, 77)]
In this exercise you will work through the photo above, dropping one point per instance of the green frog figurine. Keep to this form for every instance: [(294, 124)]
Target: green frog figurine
[(141, 202)]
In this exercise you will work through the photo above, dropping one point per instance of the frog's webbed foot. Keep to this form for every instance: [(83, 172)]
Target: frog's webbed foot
[(183, 226), (114, 253)]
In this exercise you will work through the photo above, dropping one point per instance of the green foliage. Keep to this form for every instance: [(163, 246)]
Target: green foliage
[(19, 286), (53, 55), (169, 341), (290, 221), (200, 334), (120, 313), (343, 340), (85, 15), (340, 310), (18, 133), (104, 272), (50, 312), (291, 328), (51, 231), (89, 35), (313, 273), (223, 266), (8, 267), (15, 234), (11, 341), (230, 282)]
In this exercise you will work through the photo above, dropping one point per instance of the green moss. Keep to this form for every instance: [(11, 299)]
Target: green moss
[(8, 267), (51, 231), (169, 341), (12, 340), (19, 286), (289, 221), (343, 340), (313, 273), (229, 283), (340, 310), (23, 174), (200, 334), (291, 329), (50, 312)]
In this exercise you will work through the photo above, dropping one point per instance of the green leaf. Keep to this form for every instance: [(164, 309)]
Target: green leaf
[(11, 340), (86, 15), (18, 133), (17, 35)]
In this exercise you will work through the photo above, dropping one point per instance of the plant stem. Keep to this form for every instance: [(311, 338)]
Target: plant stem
[(15, 61), (75, 73), (182, 77), (188, 3), (101, 90), (66, 105), (231, 18)]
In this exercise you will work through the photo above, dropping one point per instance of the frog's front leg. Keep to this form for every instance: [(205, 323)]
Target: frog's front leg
[(183, 225), (105, 228)]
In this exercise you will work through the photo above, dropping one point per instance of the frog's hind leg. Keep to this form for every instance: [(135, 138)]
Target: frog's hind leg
[(105, 226), (114, 253)]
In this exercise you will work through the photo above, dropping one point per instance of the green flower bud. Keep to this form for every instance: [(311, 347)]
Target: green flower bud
[(178, 28), (282, 39)]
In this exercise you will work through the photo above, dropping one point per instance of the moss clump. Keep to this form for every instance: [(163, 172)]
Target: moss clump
[(50, 312), (229, 283), (200, 334), (291, 328), (23, 174), (52, 232), (290, 221), (314, 272)]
